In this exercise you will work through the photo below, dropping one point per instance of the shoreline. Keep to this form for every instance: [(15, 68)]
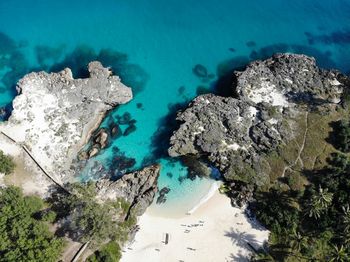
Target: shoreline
[(215, 231), (212, 190)]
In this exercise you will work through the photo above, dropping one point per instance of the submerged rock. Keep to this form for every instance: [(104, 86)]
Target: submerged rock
[(116, 131), (130, 129), (267, 102), (3, 112), (162, 195), (121, 162), (200, 70), (124, 119)]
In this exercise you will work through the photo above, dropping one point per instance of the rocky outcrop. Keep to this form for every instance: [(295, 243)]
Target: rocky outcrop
[(137, 188), (54, 114), (268, 100)]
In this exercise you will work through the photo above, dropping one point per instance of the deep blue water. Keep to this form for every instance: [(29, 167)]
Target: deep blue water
[(154, 45)]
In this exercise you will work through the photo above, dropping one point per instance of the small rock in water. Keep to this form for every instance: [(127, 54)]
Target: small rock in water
[(116, 131), (94, 151), (2, 112), (122, 162), (181, 90), (169, 174), (139, 105), (101, 138), (131, 128), (200, 70), (211, 76), (231, 49), (162, 195), (181, 179), (115, 150), (132, 121), (124, 119), (83, 155), (251, 44)]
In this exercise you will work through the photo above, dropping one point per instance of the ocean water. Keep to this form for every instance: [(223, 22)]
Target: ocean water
[(154, 45)]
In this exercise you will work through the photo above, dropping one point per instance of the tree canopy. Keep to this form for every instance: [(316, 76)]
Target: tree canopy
[(312, 224), (24, 236)]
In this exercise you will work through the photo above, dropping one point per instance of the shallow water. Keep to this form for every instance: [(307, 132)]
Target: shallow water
[(154, 45)]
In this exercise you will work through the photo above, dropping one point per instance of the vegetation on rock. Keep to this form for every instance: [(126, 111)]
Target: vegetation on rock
[(89, 219), (311, 221)]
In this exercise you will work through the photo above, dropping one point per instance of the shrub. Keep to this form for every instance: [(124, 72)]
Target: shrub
[(107, 253), (6, 164)]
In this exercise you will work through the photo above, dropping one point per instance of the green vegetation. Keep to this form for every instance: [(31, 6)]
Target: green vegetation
[(90, 220), (107, 253), (25, 223), (308, 210), (24, 236), (343, 135), (95, 221), (241, 172), (6, 164)]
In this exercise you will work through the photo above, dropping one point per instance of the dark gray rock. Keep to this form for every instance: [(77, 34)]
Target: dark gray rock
[(235, 133), (138, 188), (162, 195)]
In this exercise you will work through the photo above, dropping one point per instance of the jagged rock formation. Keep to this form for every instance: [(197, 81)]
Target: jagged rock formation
[(269, 106), (138, 188), (54, 114)]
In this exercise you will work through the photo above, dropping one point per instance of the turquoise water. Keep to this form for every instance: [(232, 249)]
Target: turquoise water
[(154, 45)]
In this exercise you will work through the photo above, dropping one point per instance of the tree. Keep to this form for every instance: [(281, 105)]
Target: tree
[(92, 221), (275, 210), (6, 164), (24, 237), (343, 136), (298, 241), (107, 253), (346, 224), (319, 203), (88, 220), (339, 254)]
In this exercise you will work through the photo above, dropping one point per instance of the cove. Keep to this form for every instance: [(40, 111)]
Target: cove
[(156, 46)]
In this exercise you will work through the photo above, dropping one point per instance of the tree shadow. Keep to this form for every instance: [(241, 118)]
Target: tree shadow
[(239, 258), (242, 239), (254, 223)]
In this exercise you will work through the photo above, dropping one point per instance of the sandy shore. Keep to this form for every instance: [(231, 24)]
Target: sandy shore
[(215, 231)]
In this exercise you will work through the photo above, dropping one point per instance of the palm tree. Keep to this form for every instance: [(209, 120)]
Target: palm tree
[(319, 203), (339, 254), (224, 189), (346, 224), (298, 241)]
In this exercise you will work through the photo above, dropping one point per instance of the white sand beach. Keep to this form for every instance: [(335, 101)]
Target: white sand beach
[(215, 231)]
